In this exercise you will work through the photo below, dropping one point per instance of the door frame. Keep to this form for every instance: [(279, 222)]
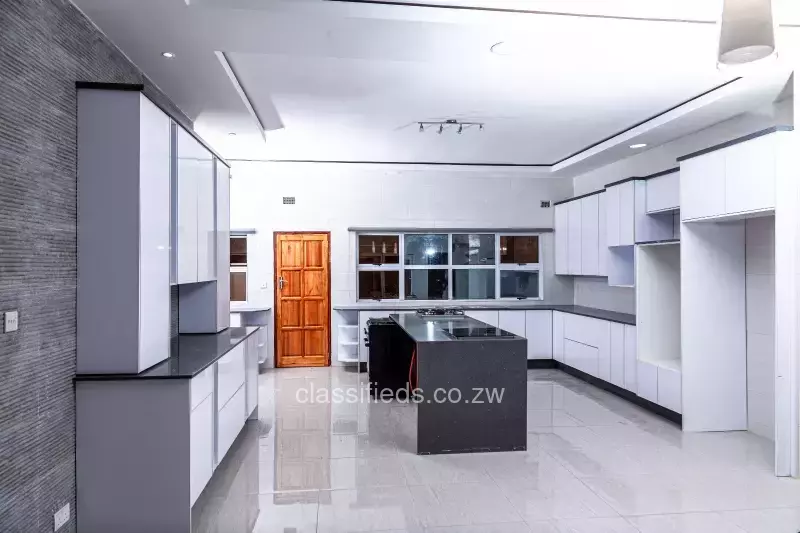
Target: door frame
[(275, 317)]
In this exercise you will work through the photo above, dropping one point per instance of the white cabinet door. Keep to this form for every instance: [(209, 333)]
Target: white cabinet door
[(206, 226), (663, 193), (617, 354), (363, 332), (581, 356), (702, 186), (574, 238), (512, 321), (251, 373), (669, 389), (230, 421), (201, 446), (223, 245), (750, 169), (187, 221), (489, 317), (647, 381), (627, 210), (561, 236), (589, 238), (612, 215), (539, 332), (558, 336), (602, 246), (230, 375), (630, 358)]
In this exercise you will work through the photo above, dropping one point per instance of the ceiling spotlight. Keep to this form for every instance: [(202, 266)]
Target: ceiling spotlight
[(639, 145), (168, 55), (481, 128), (502, 49), (441, 129), (746, 32), (421, 128), (460, 129), (232, 134)]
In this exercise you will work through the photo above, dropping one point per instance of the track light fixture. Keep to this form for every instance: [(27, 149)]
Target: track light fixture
[(451, 123)]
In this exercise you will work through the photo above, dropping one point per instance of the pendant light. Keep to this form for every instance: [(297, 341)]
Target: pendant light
[(747, 32)]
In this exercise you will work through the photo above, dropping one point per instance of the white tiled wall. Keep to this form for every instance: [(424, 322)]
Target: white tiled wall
[(760, 255), (331, 197)]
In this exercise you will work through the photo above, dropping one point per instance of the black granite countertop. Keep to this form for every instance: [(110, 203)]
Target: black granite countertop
[(189, 355), (592, 312), (422, 329)]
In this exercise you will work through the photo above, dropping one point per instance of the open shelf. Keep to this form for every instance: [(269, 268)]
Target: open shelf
[(348, 343), (621, 266)]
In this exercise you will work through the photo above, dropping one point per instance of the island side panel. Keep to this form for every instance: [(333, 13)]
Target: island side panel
[(474, 424)]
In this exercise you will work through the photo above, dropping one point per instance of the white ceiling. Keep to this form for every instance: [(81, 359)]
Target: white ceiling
[(349, 81)]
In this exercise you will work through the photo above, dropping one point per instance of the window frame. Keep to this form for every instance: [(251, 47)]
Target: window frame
[(497, 267)]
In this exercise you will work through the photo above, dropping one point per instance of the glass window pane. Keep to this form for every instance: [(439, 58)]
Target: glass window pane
[(473, 284), (519, 284), (426, 249), (427, 284), (378, 249), (475, 249), (238, 286), (519, 249), (239, 251), (377, 285)]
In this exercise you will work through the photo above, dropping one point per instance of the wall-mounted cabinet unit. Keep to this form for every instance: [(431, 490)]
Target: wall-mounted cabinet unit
[(123, 232), (579, 245), (736, 179), (663, 192)]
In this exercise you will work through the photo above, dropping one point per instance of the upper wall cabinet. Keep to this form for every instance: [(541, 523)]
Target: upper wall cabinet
[(195, 229), (123, 232), (663, 192), (619, 214), (579, 246), (734, 179)]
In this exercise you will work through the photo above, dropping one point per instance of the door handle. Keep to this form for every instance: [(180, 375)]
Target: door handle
[(281, 283)]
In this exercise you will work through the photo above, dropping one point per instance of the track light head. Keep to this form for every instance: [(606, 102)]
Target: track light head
[(441, 129), (460, 129), (421, 128)]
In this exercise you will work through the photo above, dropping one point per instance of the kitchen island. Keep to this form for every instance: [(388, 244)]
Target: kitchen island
[(470, 383)]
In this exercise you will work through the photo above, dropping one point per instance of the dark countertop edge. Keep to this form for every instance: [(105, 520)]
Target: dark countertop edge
[(568, 200), (138, 87), (738, 140), (662, 241), (452, 230), (591, 312), (140, 377)]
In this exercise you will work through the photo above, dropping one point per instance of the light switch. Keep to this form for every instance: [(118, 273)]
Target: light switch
[(11, 321)]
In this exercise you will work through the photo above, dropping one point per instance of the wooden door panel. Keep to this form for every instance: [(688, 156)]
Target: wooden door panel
[(302, 301)]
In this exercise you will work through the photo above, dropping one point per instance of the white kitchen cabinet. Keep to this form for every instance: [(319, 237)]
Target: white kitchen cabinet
[(187, 222), (231, 419), (663, 193), (617, 355), (223, 236), (591, 333), (581, 356), (669, 388), (750, 170), (602, 245), (627, 210), (206, 227), (512, 321), (201, 447), (558, 336), (251, 351), (631, 366), (574, 244), (202, 385), (489, 317), (612, 199), (230, 375), (647, 381), (589, 235), (702, 187), (561, 237), (539, 332)]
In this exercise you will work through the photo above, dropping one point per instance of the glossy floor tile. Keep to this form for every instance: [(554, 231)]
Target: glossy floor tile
[(595, 464)]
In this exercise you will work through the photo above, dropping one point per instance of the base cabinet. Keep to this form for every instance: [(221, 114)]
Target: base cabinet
[(539, 332), (558, 336), (201, 446), (231, 419)]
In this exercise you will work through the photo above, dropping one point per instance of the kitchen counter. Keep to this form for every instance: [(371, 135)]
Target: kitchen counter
[(189, 355), (602, 314), (428, 330)]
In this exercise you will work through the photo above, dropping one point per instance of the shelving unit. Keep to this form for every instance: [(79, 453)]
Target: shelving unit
[(621, 272), (347, 336)]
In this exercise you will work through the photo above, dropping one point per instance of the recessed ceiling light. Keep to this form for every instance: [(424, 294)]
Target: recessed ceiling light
[(168, 55), (640, 145), (502, 49), (232, 134)]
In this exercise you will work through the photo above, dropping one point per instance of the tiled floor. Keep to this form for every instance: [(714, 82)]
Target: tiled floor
[(595, 463)]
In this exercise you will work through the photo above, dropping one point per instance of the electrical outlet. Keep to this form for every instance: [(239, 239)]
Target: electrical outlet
[(11, 321), (61, 517)]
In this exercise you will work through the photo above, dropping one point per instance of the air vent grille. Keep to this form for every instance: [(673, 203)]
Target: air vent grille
[(288, 200)]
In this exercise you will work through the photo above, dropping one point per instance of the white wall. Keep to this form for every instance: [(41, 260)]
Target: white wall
[(595, 292), (760, 257), (333, 197)]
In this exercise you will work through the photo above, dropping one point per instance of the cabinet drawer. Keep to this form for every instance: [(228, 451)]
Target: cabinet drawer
[(669, 389), (201, 446), (585, 330), (202, 386), (230, 375), (230, 422), (581, 356)]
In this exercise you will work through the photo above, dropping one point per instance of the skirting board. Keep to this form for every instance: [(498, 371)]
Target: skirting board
[(654, 408)]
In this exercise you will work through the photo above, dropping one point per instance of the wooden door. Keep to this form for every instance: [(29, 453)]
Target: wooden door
[(302, 299)]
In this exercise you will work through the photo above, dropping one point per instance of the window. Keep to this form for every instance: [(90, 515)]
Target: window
[(442, 266), (238, 275)]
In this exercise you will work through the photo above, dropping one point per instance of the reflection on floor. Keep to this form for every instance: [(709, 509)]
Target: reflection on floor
[(595, 463)]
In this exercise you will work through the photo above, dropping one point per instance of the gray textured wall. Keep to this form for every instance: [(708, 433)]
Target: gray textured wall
[(45, 47)]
